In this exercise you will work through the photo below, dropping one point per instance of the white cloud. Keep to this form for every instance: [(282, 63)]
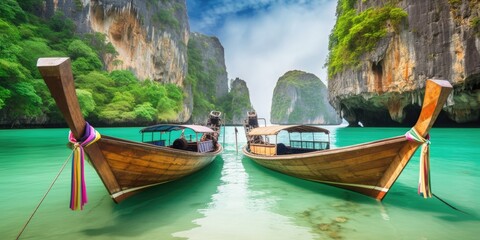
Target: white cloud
[(211, 15), (287, 36)]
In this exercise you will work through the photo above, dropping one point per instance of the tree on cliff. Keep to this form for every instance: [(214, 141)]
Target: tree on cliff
[(109, 98)]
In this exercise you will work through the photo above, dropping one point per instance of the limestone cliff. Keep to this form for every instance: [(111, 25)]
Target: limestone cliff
[(151, 37), (301, 98), (438, 39), (207, 74), (213, 64), (239, 97)]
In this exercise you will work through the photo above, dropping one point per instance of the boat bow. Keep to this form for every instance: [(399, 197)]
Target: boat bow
[(58, 76), (436, 94), (125, 167)]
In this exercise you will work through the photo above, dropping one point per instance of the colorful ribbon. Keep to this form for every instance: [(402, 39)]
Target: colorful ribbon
[(78, 196), (424, 185)]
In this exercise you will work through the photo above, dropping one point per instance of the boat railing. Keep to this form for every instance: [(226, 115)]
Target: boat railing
[(308, 144)]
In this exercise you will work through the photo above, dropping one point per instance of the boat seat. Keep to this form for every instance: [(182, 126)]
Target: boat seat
[(301, 150), (159, 143), (282, 149), (206, 146), (192, 146), (180, 143)]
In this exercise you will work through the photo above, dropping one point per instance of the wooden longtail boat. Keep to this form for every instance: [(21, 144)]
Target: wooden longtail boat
[(124, 166), (370, 168)]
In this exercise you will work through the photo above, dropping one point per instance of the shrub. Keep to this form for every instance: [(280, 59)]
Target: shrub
[(355, 34), (85, 99)]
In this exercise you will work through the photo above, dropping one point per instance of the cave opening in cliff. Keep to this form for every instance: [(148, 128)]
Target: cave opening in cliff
[(375, 117), (471, 84), (413, 111), (377, 70), (411, 115), (444, 121)]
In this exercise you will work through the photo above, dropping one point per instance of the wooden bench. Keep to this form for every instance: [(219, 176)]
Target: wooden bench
[(263, 149)]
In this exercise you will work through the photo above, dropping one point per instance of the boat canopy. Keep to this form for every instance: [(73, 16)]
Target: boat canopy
[(274, 130), (173, 127)]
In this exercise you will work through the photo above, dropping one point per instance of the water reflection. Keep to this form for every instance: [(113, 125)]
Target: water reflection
[(239, 211), (234, 198), (154, 213), (164, 209), (326, 211), (333, 213)]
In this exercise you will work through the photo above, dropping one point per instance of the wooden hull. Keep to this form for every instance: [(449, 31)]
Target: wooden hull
[(137, 165), (369, 168), (360, 168)]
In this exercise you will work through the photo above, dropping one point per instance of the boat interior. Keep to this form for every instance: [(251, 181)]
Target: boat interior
[(295, 147), (301, 138), (182, 142), (194, 138)]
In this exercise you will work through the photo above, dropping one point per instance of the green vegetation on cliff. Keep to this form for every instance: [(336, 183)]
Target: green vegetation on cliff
[(203, 73), (201, 79), (300, 98), (110, 98), (207, 76), (237, 102), (357, 33)]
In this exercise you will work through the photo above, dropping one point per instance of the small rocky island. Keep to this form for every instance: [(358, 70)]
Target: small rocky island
[(301, 98), (237, 102)]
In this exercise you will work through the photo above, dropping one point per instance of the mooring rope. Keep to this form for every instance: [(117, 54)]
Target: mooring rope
[(44, 196), (448, 204), (424, 184), (78, 196)]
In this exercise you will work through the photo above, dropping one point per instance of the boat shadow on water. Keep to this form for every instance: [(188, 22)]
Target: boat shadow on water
[(256, 172), (401, 196), (158, 207), (444, 207)]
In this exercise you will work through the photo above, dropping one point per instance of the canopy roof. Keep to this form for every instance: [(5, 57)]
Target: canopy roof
[(274, 130), (173, 127)]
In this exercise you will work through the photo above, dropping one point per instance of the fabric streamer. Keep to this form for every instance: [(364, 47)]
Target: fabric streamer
[(78, 196), (424, 185)]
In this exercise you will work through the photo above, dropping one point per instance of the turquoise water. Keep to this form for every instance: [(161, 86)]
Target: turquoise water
[(236, 199)]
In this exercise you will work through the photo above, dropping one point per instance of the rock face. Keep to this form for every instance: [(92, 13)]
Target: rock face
[(213, 63), (150, 36), (207, 67), (301, 98), (240, 101), (440, 39)]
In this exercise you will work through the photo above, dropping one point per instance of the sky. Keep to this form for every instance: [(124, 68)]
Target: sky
[(264, 39)]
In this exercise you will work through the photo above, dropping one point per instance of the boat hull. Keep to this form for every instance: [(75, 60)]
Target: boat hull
[(360, 168), (137, 165), (125, 167)]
